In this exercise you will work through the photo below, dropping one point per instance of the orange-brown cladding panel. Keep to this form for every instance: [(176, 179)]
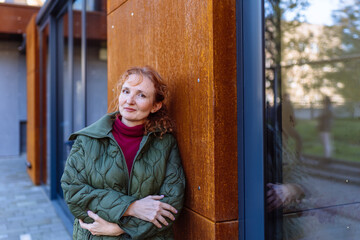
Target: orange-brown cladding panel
[(194, 226), (191, 225), (32, 101), (174, 37), (113, 4), (227, 230), (224, 35), (192, 44)]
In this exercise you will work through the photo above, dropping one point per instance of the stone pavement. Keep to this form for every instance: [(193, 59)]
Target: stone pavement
[(26, 212)]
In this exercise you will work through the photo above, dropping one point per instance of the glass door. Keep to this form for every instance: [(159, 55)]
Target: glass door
[(312, 119)]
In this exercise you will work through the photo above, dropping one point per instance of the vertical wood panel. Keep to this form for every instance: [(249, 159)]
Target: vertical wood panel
[(191, 225), (32, 138), (227, 230), (113, 4), (192, 44), (225, 110), (176, 39)]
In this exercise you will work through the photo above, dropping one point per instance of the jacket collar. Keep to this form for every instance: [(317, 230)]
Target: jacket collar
[(99, 129)]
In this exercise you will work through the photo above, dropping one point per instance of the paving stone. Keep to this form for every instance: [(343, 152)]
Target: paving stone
[(25, 210)]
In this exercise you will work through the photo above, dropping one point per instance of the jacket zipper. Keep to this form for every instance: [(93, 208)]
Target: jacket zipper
[(124, 161), (132, 166)]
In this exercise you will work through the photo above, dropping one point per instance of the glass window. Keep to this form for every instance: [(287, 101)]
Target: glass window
[(312, 160)]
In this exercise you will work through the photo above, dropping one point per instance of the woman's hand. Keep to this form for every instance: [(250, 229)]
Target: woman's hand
[(282, 194), (100, 227), (152, 210)]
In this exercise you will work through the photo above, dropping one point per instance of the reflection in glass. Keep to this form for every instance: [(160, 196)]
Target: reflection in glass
[(312, 54)]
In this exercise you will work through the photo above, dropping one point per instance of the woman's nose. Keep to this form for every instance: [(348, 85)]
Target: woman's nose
[(130, 99)]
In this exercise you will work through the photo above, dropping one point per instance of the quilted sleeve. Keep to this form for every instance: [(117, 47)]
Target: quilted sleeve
[(81, 197), (172, 188)]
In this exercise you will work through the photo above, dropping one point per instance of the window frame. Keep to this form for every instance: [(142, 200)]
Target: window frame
[(250, 114)]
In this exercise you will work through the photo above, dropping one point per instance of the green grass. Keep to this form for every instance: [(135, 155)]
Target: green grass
[(345, 135)]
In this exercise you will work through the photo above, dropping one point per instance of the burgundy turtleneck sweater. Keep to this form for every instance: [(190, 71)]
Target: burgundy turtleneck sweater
[(129, 139)]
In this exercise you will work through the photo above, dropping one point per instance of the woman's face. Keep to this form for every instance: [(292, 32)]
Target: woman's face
[(137, 100)]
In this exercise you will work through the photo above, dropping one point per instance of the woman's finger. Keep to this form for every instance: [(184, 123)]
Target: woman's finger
[(93, 215), (168, 207), (168, 215), (162, 220), (156, 223), (83, 225), (155, 197)]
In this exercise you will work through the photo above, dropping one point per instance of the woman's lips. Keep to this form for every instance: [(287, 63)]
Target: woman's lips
[(129, 109)]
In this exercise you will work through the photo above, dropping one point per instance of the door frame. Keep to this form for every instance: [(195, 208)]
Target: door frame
[(250, 115)]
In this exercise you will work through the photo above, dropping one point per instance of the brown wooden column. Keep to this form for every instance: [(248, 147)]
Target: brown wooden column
[(192, 44), (33, 101)]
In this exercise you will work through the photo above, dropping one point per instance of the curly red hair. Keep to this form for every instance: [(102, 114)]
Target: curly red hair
[(160, 121)]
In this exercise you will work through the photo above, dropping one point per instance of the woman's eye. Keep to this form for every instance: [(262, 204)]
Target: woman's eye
[(142, 95), (125, 91)]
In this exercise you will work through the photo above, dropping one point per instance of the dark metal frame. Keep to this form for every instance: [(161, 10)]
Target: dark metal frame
[(250, 113), (83, 60)]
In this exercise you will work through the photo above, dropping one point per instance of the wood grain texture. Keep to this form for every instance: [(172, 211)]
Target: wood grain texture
[(32, 138), (162, 35), (227, 230), (197, 58), (113, 4), (191, 225), (226, 188)]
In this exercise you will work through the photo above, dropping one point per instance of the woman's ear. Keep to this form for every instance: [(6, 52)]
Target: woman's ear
[(156, 107)]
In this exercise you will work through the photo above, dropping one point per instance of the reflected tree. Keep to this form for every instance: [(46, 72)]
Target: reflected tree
[(280, 16), (345, 76)]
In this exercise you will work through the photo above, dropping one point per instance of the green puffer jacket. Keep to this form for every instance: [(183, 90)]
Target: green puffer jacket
[(96, 178)]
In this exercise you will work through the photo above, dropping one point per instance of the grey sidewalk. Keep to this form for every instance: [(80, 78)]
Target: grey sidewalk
[(26, 213)]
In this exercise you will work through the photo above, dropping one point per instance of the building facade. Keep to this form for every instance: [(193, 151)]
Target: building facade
[(264, 95)]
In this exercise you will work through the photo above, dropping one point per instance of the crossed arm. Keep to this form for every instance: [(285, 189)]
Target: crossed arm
[(149, 209), (118, 213)]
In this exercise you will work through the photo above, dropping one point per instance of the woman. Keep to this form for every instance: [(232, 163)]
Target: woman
[(123, 178)]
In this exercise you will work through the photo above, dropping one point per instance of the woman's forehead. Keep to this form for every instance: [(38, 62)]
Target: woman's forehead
[(135, 80)]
